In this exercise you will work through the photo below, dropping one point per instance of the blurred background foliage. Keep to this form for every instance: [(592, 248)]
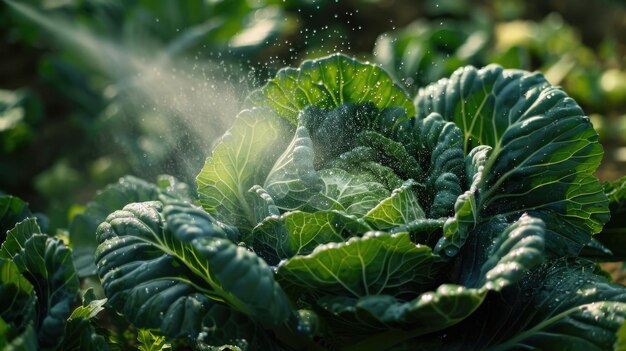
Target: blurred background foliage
[(91, 90)]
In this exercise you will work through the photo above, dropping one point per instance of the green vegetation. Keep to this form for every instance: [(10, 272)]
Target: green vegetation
[(442, 197)]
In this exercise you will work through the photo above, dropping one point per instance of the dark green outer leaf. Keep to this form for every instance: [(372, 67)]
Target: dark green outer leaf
[(595, 250), (47, 263), (12, 210), (499, 254), (115, 196), (613, 235), (16, 239), (562, 305), (18, 308), (429, 312), (167, 267), (327, 83), (544, 149)]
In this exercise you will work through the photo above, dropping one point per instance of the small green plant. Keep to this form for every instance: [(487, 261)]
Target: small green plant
[(339, 214)]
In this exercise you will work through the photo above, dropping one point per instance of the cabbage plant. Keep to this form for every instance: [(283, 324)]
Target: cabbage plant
[(338, 214)]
